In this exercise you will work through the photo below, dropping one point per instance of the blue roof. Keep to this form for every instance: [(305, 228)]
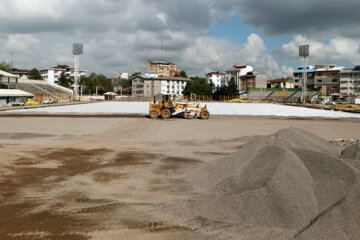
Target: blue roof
[(309, 69)]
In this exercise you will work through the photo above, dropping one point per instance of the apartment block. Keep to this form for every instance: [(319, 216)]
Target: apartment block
[(163, 68), (350, 82), (252, 80), (328, 79), (236, 72), (52, 74), (146, 86), (297, 76), (216, 79)]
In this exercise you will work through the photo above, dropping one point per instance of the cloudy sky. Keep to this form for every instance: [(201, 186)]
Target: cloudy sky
[(198, 35)]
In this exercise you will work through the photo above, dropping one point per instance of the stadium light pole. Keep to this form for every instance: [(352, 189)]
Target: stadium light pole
[(78, 49), (304, 53)]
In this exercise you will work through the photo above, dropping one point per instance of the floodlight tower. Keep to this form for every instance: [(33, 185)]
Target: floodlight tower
[(77, 51), (304, 53)]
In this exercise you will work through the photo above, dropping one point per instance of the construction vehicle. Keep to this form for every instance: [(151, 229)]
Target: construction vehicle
[(166, 108), (31, 102)]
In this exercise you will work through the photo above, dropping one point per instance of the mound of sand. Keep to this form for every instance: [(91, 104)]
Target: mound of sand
[(352, 152), (291, 181)]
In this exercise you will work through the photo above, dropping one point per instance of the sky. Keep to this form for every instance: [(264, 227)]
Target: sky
[(200, 36)]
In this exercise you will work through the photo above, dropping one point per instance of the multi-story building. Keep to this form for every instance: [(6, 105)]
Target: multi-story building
[(298, 76), (236, 72), (216, 79), (328, 79), (163, 68), (149, 85), (52, 74), (21, 73), (350, 82), (252, 80)]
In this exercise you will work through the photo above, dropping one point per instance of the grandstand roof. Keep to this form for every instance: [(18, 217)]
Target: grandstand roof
[(14, 93)]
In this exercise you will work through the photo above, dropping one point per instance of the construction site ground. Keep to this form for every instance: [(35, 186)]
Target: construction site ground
[(121, 178)]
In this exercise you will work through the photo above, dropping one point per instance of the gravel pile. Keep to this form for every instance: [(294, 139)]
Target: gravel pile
[(352, 152), (292, 182)]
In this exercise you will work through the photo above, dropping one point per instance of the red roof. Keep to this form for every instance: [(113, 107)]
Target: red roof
[(215, 73), (174, 72), (15, 70), (236, 68), (61, 67)]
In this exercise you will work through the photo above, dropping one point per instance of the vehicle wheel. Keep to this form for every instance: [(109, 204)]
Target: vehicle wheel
[(204, 114), (154, 114), (165, 114)]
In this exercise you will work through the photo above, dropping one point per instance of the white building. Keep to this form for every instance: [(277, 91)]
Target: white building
[(124, 75), (236, 72), (52, 74), (216, 79), (146, 86), (350, 82)]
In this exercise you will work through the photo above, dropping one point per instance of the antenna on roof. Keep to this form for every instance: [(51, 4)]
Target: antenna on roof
[(162, 47), (11, 58)]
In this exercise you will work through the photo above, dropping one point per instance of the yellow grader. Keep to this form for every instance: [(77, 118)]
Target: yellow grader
[(166, 108)]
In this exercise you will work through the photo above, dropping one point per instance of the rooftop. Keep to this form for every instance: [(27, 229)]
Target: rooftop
[(161, 62), (236, 68), (279, 80), (164, 78), (216, 73)]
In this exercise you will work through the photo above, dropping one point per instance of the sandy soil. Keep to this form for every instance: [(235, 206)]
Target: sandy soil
[(121, 178)]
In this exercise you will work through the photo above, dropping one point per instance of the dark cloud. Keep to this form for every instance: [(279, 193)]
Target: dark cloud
[(120, 35), (307, 17)]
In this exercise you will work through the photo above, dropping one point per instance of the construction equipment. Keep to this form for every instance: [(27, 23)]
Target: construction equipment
[(166, 108)]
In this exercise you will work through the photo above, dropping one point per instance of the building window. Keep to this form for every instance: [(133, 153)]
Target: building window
[(319, 74), (334, 74), (334, 87), (334, 80), (319, 80)]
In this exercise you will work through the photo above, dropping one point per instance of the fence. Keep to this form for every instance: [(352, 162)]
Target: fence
[(209, 98)]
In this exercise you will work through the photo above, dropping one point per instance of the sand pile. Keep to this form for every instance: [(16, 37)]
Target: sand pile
[(291, 181), (352, 152)]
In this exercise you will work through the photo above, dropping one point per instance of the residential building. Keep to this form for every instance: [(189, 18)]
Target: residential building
[(282, 83), (328, 79), (124, 75), (236, 72), (216, 79), (298, 76), (163, 68), (147, 85), (21, 73), (252, 80), (52, 74), (350, 82)]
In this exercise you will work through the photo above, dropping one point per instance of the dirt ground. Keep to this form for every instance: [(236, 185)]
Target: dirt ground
[(121, 178)]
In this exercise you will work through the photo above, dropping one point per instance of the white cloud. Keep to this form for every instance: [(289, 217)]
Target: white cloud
[(22, 42), (338, 49)]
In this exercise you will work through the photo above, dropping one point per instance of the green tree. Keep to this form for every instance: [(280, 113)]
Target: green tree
[(198, 86), (94, 81), (35, 74), (183, 74), (64, 80), (233, 89), (134, 75), (4, 66)]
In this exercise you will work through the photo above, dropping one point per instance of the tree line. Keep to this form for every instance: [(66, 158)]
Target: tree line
[(200, 87), (98, 83)]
